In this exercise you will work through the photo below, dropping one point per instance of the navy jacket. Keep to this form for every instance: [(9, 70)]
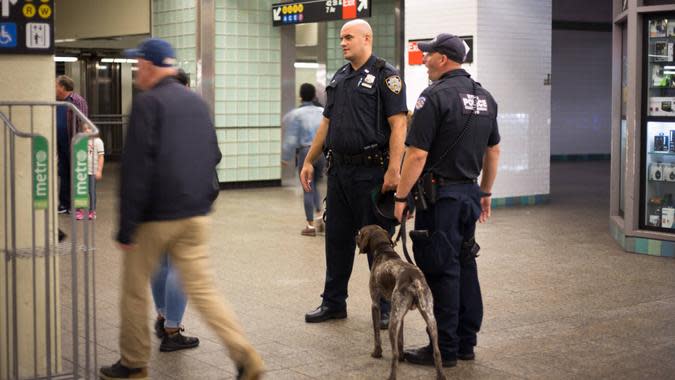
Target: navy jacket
[(169, 159), (441, 112)]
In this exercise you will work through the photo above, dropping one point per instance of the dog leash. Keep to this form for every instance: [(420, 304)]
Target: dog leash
[(402, 235)]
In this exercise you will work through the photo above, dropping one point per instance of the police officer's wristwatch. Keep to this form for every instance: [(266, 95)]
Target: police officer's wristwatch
[(399, 199)]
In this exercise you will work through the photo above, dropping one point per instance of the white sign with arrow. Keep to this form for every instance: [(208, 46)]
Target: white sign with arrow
[(5, 6), (363, 4), (276, 14)]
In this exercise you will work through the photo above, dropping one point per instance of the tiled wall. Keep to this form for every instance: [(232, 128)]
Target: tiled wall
[(581, 105), (248, 80), (382, 21), (175, 21), (512, 57)]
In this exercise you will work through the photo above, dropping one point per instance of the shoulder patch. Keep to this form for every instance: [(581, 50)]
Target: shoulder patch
[(394, 84), (420, 102)]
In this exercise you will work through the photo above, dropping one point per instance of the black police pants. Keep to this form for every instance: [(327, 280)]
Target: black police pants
[(64, 178), (451, 274), (348, 208)]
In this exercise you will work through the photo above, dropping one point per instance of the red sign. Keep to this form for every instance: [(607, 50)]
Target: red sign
[(415, 55), (348, 9)]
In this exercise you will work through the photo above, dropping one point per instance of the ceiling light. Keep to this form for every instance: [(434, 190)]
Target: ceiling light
[(65, 59)]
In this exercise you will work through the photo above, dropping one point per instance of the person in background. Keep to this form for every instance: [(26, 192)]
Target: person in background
[(168, 295), (300, 126), (67, 125), (96, 158)]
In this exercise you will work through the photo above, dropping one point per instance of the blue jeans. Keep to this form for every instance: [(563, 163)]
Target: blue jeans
[(312, 199), (167, 291)]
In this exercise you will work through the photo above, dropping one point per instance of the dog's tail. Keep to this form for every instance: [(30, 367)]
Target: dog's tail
[(413, 281)]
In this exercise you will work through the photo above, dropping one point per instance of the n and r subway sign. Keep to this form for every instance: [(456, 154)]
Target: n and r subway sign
[(301, 12)]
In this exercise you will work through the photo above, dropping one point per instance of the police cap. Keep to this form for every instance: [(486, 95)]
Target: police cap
[(449, 45)]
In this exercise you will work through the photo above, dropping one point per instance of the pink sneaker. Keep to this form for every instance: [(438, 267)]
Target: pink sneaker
[(79, 215), (92, 215)]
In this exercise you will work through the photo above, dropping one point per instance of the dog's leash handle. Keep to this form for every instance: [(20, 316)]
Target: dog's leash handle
[(401, 235)]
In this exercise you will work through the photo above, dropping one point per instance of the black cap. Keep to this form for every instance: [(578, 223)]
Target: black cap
[(383, 205), (447, 44)]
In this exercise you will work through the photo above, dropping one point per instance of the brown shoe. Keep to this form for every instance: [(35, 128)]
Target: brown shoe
[(308, 231)]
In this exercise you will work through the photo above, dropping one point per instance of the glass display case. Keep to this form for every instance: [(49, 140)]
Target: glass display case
[(658, 147)]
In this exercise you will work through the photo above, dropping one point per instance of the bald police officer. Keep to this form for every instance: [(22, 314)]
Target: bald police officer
[(363, 130), (452, 137)]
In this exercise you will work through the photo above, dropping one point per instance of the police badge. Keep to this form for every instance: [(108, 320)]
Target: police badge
[(394, 84)]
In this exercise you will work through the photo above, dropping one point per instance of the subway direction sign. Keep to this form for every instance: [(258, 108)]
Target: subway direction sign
[(26, 26), (300, 12)]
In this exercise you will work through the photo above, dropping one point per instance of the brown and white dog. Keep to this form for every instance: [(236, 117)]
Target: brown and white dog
[(404, 285)]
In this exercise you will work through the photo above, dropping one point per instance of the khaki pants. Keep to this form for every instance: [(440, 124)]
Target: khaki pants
[(185, 240)]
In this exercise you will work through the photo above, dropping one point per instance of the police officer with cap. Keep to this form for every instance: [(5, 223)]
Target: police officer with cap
[(363, 130), (453, 136)]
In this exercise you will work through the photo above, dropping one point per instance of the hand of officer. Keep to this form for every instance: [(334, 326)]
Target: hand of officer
[(391, 179), (284, 163), (398, 211), (306, 176), (485, 205)]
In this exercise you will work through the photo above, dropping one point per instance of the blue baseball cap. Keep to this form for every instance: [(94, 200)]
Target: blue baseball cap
[(449, 45), (155, 50)]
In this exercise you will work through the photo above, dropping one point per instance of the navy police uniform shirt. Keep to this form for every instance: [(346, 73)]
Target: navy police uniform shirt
[(351, 106), (440, 115)]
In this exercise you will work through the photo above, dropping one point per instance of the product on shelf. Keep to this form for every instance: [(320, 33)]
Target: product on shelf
[(658, 28), (656, 171), (661, 106), (661, 143)]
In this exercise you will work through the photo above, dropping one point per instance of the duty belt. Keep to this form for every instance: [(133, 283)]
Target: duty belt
[(376, 158)]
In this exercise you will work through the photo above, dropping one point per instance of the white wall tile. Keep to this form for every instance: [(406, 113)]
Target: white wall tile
[(512, 57)]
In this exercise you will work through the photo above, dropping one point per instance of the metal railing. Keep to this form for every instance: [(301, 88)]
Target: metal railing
[(83, 359), (112, 129)]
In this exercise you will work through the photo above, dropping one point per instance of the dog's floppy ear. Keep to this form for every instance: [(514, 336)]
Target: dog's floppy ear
[(362, 241)]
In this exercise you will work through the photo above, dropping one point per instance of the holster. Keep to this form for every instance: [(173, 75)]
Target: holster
[(424, 191), (469, 251)]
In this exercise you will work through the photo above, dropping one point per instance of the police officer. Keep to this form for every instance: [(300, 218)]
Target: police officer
[(452, 137), (363, 130)]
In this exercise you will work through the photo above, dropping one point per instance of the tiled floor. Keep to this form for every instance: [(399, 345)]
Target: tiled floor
[(562, 300)]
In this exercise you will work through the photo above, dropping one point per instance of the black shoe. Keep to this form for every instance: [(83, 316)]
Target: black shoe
[(425, 356), (177, 341), (324, 313), (159, 328), (63, 210), (384, 321), (466, 355), (118, 371), (62, 236)]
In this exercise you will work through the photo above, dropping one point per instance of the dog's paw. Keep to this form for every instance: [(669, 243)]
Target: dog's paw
[(377, 354)]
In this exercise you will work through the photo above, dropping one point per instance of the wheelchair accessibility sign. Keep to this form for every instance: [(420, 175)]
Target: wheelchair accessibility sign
[(7, 35)]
